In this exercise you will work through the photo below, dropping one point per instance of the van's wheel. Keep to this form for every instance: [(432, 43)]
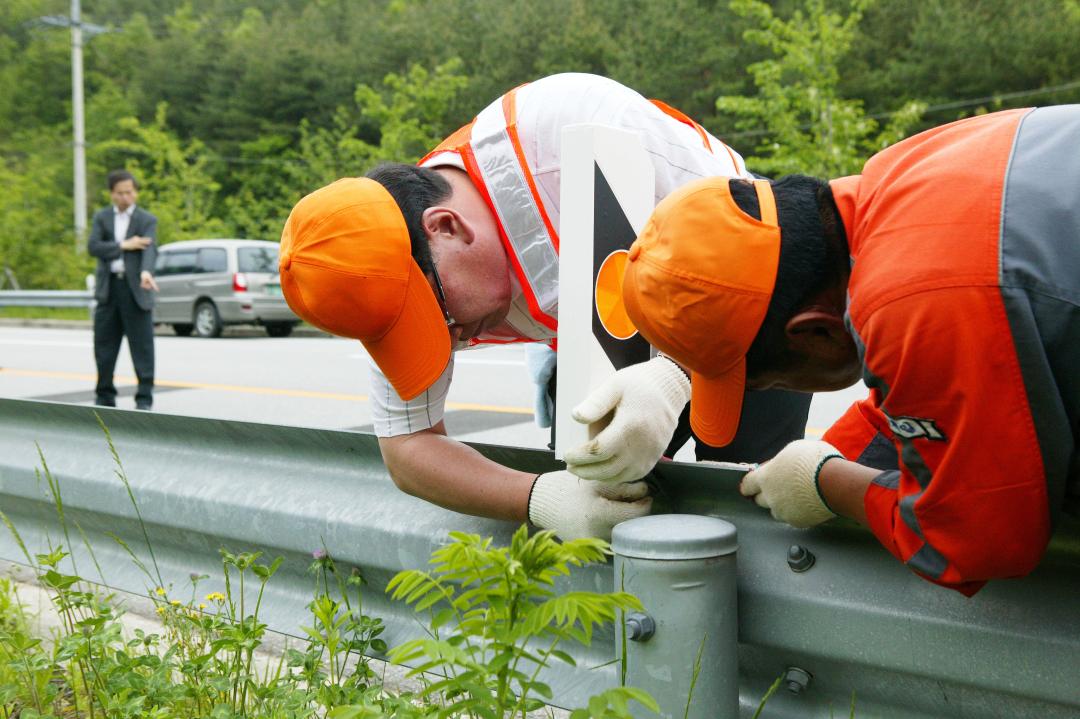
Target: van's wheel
[(182, 330), (207, 320), (279, 329)]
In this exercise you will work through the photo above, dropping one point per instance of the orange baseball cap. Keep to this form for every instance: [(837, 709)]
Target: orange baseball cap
[(697, 286), (346, 267)]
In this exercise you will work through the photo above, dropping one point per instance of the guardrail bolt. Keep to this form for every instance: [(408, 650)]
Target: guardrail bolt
[(639, 626), (797, 680), (799, 558)]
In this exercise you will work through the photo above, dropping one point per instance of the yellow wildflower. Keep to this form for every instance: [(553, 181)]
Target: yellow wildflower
[(202, 605), (215, 597), (175, 602), (160, 610), (160, 591)]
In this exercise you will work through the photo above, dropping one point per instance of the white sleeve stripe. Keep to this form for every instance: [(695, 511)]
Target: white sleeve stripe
[(392, 416), (389, 421)]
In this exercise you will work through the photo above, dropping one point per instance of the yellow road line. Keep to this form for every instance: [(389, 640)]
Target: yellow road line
[(336, 396), (273, 391)]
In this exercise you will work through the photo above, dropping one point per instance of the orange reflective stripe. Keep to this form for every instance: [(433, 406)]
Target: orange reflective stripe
[(509, 106), (461, 144), (499, 341), (684, 119), (687, 120), (454, 143), (510, 112)]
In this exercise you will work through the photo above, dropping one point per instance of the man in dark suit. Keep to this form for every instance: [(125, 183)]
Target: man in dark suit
[(123, 239)]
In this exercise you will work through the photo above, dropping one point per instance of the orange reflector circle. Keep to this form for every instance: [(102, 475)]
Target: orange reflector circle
[(608, 297)]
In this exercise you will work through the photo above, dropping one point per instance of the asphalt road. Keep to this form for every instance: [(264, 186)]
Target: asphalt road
[(309, 381)]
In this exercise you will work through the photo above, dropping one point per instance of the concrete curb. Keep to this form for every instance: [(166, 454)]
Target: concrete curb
[(31, 322)]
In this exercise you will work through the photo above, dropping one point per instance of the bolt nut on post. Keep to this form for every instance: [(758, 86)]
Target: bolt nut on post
[(682, 567), (799, 558), (797, 680), (639, 627)]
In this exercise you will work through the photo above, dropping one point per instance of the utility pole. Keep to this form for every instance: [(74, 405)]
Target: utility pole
[(78, 123), (78, 28)]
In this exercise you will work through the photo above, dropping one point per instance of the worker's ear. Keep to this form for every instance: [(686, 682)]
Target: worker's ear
[(445, 223), (817, 331)]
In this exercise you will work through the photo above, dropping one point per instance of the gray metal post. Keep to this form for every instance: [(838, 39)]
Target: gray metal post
[(78, 123), (683, 650)]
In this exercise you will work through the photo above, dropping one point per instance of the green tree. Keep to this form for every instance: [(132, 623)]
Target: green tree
[(684, 52), (37, 239), (803, 123), (176, 185), (409, 113)]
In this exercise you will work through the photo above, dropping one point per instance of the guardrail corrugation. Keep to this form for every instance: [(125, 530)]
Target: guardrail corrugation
[(857, 621)]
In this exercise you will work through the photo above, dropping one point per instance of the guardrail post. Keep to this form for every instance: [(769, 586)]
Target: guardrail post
[(682, 568)]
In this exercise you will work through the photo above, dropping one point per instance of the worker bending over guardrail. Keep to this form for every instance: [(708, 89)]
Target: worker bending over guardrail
[(418, 262), (947, 275)]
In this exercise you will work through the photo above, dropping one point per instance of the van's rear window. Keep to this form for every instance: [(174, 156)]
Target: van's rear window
[(258, 259)]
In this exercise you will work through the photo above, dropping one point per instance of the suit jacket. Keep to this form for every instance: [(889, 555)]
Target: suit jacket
[(103, 246)]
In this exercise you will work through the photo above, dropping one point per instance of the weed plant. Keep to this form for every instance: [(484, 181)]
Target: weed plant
[(495, 621), (505, 622)]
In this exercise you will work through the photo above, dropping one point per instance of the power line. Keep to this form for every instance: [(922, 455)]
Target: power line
[(991, 98), (230, 160), (955, 104)]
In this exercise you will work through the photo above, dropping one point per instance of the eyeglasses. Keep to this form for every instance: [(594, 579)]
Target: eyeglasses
[(442, 296)]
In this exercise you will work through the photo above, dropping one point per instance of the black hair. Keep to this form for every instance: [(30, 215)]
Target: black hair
[(414, 189), (118, 176), (812, 258)]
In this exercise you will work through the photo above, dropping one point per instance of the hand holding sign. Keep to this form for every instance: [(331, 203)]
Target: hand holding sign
[(638, 407)]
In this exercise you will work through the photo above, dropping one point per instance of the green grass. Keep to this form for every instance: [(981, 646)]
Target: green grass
[(45, 313)]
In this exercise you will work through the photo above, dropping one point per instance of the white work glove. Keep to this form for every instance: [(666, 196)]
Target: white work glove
[(787, 484), (540, 361), (574, 508), (647, 400)]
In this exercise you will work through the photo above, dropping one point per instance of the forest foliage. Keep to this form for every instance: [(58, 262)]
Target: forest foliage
[(229, 112)]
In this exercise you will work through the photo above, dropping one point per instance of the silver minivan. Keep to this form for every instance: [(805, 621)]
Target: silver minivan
[(207, 284)]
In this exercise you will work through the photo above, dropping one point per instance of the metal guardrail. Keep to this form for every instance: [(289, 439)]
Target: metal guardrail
[(857, 621), (46, 298)]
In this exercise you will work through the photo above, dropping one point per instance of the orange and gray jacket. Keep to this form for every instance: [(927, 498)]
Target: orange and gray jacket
[(964, 300)]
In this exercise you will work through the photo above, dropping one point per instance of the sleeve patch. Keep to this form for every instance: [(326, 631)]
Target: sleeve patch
[(915, 427)]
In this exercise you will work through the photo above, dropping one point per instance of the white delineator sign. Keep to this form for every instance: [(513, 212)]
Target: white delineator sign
[(607, 195)]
